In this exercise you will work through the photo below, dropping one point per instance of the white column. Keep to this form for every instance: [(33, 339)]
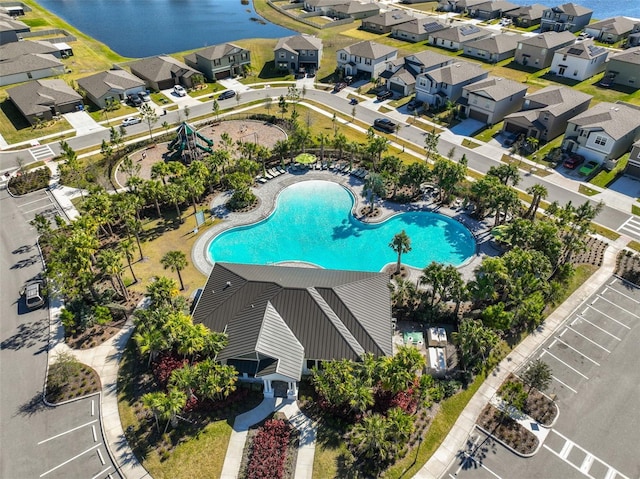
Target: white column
[(268, 390)]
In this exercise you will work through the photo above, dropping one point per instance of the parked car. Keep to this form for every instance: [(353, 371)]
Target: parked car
[(134, 100), (348, 80), (339, 86), (225, 95), (144, 96), (132, 120), (385, 124), (179, 90), (573, 161), (385, 95), (34, 294), (414, 104), (588, 168), (353, 101), (606, 81)]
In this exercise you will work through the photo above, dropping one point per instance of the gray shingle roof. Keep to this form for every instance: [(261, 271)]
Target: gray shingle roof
[(554, 99), (572, 9), (428, 58), (160, 68), (549, 39), (531, 12), (216, 52), (617, 25), (496, 88), (296, 43), (456, 73), (9, 24), (494, 6), (356, 7), (632, 55), (460, 33), (29, 63), (420, 26), (37, 96), (331, 314), (16, 49), (386, 19), (585, 49), (500, 43), (369, 49), (324, 3), (110, 81), (615, 119)]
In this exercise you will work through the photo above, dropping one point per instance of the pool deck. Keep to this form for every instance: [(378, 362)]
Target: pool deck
[(268, 193)]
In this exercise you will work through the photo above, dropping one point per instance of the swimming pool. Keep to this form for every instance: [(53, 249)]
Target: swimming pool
[(312, 223)]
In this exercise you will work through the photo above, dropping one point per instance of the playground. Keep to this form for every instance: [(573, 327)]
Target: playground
[(197, 143)]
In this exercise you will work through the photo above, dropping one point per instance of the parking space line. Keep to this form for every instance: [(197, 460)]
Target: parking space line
[(472, 459), (619, 307), (93, 431), (566, 449), (67, 432), (588, 339), (586, 464), (568, 462), (598, 327), (38, 208), (567, 365), (31, 202), (69, 460), (574, 349), (565, 385), (102, 472), (100, 456), (625, 295)]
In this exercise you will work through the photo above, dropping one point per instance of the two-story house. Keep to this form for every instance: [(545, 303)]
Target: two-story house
[(611, 30), (417, 30), (492, 9), (633, 165), (220, 61), (570, 16), (527, 15), (298, 52), (579, 61), (454, 38), (603, 133), (545, 113), (400, 75), (493, 49), (537, 51), (438, 86), (624, 68), (365, 58), (491, 99), (384, 22), (633, 40)]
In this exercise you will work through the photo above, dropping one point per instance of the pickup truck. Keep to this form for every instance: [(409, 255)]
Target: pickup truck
[(385, 124)]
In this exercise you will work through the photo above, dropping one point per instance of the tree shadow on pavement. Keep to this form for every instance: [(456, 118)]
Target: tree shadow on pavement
[(33, 406)]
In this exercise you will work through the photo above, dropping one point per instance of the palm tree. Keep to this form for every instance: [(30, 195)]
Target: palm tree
[(184, 379), (340, 142), (323, 139), (174, 194), (370, 442), (537, 375), (150, 342), (431, 140), (538, 193), (176, 261), (110, 262), (152, 190), (161, 170), (154, 401), (401, 243), (148, 115), (171, 405), (162, 291), (373, 187), (475, 342), (126, 248)]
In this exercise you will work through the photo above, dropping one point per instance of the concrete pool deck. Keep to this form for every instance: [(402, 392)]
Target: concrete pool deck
[(268, 193)]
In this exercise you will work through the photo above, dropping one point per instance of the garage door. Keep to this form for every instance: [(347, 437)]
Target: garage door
[(221, 75), (632, 170), (397, 88), (478, 115), (513, 128)]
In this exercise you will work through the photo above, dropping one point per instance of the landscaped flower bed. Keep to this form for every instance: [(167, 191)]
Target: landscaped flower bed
[(268, 449), (69, 379), (30, 181), (507, 430), (629, 266)]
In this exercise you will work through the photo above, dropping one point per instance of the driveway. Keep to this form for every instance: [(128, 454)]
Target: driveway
[(82, 122), (468, 127)]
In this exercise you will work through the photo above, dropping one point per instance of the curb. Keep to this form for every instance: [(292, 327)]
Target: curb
[(500, 441)]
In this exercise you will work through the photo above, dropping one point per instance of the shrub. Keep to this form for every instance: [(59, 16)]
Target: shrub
[(61, 372), (31, 181), (269, 450), (165, 365), (102, 315)]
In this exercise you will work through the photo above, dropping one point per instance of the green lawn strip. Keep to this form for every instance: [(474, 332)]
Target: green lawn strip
[(634, 245), (489, 133), (16, 129), (585, 190), (606, 232), (635, 209), (470, 144), (31, 166), (604, 178), (581, 274)]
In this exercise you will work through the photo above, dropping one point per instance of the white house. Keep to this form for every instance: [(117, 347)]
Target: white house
[(579, 61), (365, 57)]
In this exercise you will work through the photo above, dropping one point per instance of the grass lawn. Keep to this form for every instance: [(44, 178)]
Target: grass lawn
[(15, 128), (489, 133), (634, 245), (635, 209), (605, 178)]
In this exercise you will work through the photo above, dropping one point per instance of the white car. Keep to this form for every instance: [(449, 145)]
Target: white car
[(179, 90), (132, 120)]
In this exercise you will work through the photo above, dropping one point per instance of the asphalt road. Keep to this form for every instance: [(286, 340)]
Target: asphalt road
[(36, 440), (596, 379)]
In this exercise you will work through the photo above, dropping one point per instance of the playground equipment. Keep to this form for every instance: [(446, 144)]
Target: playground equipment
[(188, 145)]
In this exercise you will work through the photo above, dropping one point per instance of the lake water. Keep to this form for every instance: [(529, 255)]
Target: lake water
[(601, 8), (144, 28)]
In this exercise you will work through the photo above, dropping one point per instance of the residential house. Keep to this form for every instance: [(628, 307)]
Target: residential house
[(10, 29), (220, 61), (526, 16), (458, 6), (492, 9), (491, 99), (611, 30), (14, 9), (604, 132), (384, 22), (436, 87), (355, 10), (493, 49), (454, 38), (624, 68), (41, 100), (110, 85), (28, 47), (322, 6), (537, 51), (417, 30), (365, 58), (545, 113), (298, 52), (400, 75), (570, 16), (633, 165), (579, 61), (163, 72), (633, 40), (283, 321), (31, 66)]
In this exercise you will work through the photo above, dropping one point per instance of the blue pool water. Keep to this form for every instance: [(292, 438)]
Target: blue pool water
[(313, 223)]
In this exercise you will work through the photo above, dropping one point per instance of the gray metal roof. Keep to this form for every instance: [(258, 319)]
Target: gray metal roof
[(271, 309), (615, 119), (115, 81)]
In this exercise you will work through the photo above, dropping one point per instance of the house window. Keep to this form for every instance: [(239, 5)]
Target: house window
[(243, 56), (343, 56), (564, 58), (575, 73), (303, 52), (519, 46), (282, 54), (601, 140), (216, 62), (232, 58), (545, 117), (311, 53), (367, 61)]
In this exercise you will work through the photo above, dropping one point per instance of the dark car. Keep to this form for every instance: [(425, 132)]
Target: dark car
[(414, 104), (348, 80), (606, 81), (225, 95), (384, 124), (385, 95), (134, 100), (339, 86), (144, 96), (573, 161), (353, 101)]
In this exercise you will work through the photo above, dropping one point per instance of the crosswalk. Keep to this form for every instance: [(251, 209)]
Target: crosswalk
[(631, 227), (42, 153)]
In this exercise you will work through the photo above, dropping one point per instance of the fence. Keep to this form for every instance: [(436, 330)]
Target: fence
[(302, 18), (64, 38)]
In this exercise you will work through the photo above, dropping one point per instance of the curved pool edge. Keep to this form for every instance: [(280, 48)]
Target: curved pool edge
[(269, 192)]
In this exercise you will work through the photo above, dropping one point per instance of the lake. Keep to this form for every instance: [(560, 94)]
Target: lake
[(143, 28), (601, 8)]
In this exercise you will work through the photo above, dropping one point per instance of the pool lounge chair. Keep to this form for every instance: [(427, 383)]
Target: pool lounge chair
[(261, 179), (267, 175), (281, 170), (355, 172), (273, 172)]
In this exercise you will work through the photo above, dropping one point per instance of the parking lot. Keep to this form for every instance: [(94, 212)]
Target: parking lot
[(40, 202), (596, 383)]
